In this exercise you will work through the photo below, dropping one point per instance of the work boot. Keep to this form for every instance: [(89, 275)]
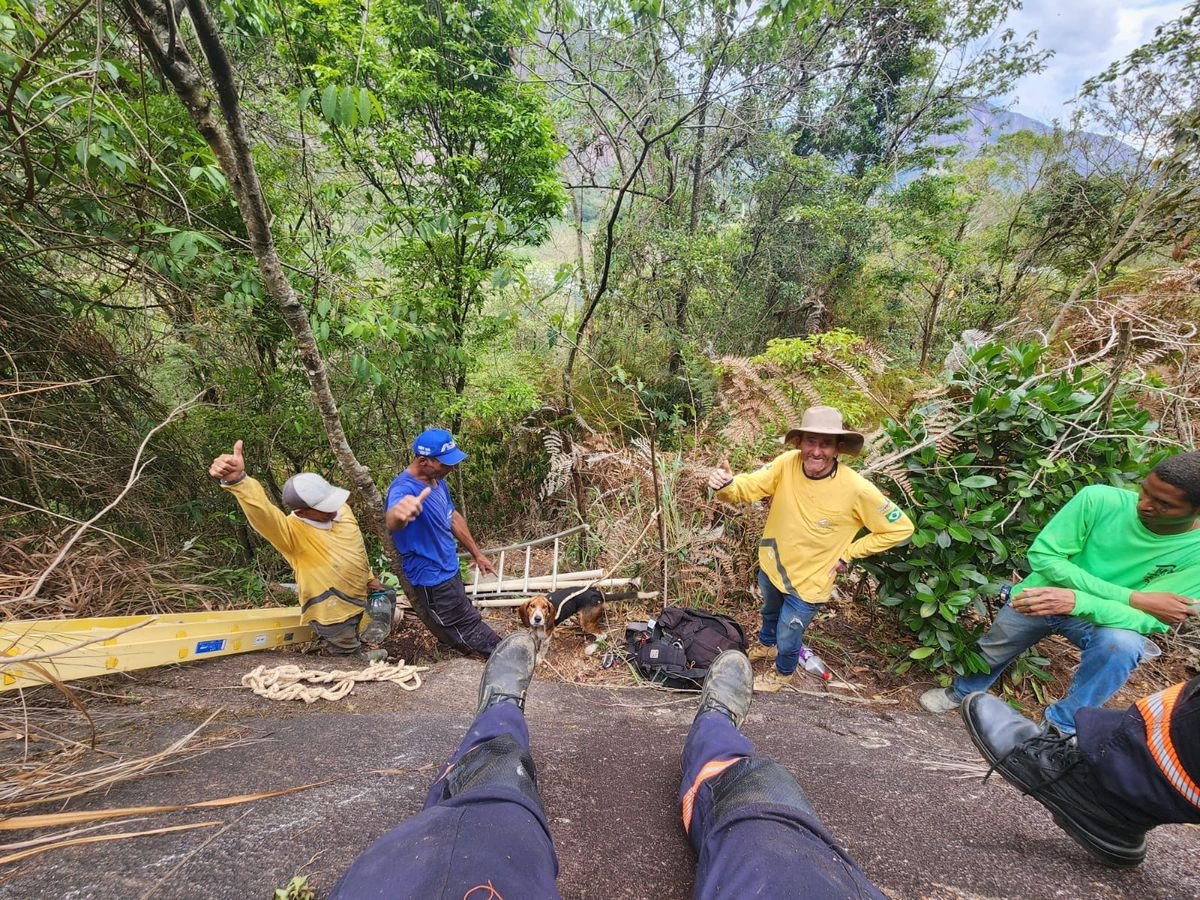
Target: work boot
[(1049, 767), (938, 700), (772, 681), (759, 652), (507, 672), (728, 687), (371, 656)]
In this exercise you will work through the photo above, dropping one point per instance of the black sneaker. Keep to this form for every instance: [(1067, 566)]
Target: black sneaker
[(1049, 767), (728, 687), (508, 671)]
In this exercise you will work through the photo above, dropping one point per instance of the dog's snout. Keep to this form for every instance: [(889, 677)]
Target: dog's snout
[(537, 618)]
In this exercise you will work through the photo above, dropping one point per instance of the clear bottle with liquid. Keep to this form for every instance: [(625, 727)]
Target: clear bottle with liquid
[(814, 665), (381, 607)]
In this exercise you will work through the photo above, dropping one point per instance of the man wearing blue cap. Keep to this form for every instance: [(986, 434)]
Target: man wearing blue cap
[(425, 527)]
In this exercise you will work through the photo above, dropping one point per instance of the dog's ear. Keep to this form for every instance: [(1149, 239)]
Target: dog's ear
[(523, 613)]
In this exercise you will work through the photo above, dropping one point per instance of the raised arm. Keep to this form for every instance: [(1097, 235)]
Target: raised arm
[(749, 486), (263, 515)]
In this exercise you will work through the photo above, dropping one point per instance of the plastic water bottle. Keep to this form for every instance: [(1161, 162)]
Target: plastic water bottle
[(814, 665), (381, 606)]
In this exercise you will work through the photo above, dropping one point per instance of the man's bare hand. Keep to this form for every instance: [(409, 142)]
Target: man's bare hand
[(406, 509), (484, 564), (720, 476), (841, 568), (1045, 601), (229, 466), (1164, 606)]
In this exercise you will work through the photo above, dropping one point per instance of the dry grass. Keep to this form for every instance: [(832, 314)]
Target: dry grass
[(100, 577)]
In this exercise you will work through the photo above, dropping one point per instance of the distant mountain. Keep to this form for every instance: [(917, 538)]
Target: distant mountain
[(986, 124)]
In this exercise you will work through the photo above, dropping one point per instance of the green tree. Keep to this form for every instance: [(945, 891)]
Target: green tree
[(428, 103)]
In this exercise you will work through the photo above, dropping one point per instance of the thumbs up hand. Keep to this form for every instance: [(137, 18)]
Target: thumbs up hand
[(406, 509), (229, 467), (721, 476)]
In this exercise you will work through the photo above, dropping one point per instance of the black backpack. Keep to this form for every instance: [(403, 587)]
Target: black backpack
[(682, 645)]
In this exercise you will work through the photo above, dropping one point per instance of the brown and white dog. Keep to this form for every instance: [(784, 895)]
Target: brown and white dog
[(542, 613)]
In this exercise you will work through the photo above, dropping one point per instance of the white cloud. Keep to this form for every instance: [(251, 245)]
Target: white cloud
[(1086, 36)]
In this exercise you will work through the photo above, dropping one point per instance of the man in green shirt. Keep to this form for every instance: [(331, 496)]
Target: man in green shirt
[(1109, 568)]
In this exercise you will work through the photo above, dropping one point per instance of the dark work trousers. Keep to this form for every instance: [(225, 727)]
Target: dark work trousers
[(483, 831), (754, 831), (450, 608), (1147, 757), (341, 638), (482, 837)]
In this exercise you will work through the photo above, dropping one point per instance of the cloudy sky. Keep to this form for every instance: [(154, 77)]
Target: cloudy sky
[(1086, 36)]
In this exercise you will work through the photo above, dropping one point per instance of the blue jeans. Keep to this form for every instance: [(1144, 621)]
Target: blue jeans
[(784, 618), (1107, 656)]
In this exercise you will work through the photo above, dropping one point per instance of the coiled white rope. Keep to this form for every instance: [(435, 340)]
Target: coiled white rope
[(292, 682)]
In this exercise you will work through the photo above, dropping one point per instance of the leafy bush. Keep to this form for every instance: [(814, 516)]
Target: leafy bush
[(828, 366), (992, 460)]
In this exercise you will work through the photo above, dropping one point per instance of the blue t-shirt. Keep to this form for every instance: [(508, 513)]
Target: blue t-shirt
[(426, 543)]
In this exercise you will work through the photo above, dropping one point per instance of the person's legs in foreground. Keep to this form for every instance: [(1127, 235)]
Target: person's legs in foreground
[(483, 829), (450, 607), (785, 619), (1123, 773), (754, 831)]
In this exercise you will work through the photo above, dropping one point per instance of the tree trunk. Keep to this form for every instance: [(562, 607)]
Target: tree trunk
[(155, 25), (581, 255)]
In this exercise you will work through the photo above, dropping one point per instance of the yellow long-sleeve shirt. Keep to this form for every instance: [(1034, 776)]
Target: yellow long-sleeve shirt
[(329, 563), (812, 523)]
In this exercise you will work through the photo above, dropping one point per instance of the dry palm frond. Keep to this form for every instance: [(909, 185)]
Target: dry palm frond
[(99, 577), (59, 778), (897, 473), (99, 838)]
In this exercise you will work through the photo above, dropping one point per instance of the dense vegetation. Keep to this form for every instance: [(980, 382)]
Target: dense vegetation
[(599, 239)]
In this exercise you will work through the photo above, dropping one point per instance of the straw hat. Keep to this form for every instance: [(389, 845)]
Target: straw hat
[(826, 420)]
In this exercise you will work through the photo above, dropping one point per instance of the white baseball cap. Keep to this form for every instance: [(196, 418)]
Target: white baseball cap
[(310, 490)]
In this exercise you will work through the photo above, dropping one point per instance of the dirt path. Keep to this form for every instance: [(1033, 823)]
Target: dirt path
[(608, 760)]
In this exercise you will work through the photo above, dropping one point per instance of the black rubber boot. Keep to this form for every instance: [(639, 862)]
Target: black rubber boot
[(728, 687), (508, 671), (1049, 767)]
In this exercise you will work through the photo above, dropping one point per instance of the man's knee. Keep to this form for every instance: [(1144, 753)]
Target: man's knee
[(757, 781), (340, 637), (1118, 643)]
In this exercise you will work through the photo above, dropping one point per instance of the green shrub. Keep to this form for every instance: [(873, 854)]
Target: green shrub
[(1015, 439)]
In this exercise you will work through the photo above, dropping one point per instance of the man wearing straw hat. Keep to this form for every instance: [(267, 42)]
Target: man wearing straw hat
[(817, 508)]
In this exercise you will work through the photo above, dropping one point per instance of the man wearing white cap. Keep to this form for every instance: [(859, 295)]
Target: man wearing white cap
[(817, 508), (321, 542)]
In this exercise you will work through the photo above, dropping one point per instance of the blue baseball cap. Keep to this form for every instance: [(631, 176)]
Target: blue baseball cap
[(438, 443)]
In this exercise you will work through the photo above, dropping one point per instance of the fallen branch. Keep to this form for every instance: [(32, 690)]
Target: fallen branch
[(98, 838), (56, 820)]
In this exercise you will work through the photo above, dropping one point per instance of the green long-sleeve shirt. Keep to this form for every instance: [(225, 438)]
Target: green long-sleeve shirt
[(1097, 547)]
